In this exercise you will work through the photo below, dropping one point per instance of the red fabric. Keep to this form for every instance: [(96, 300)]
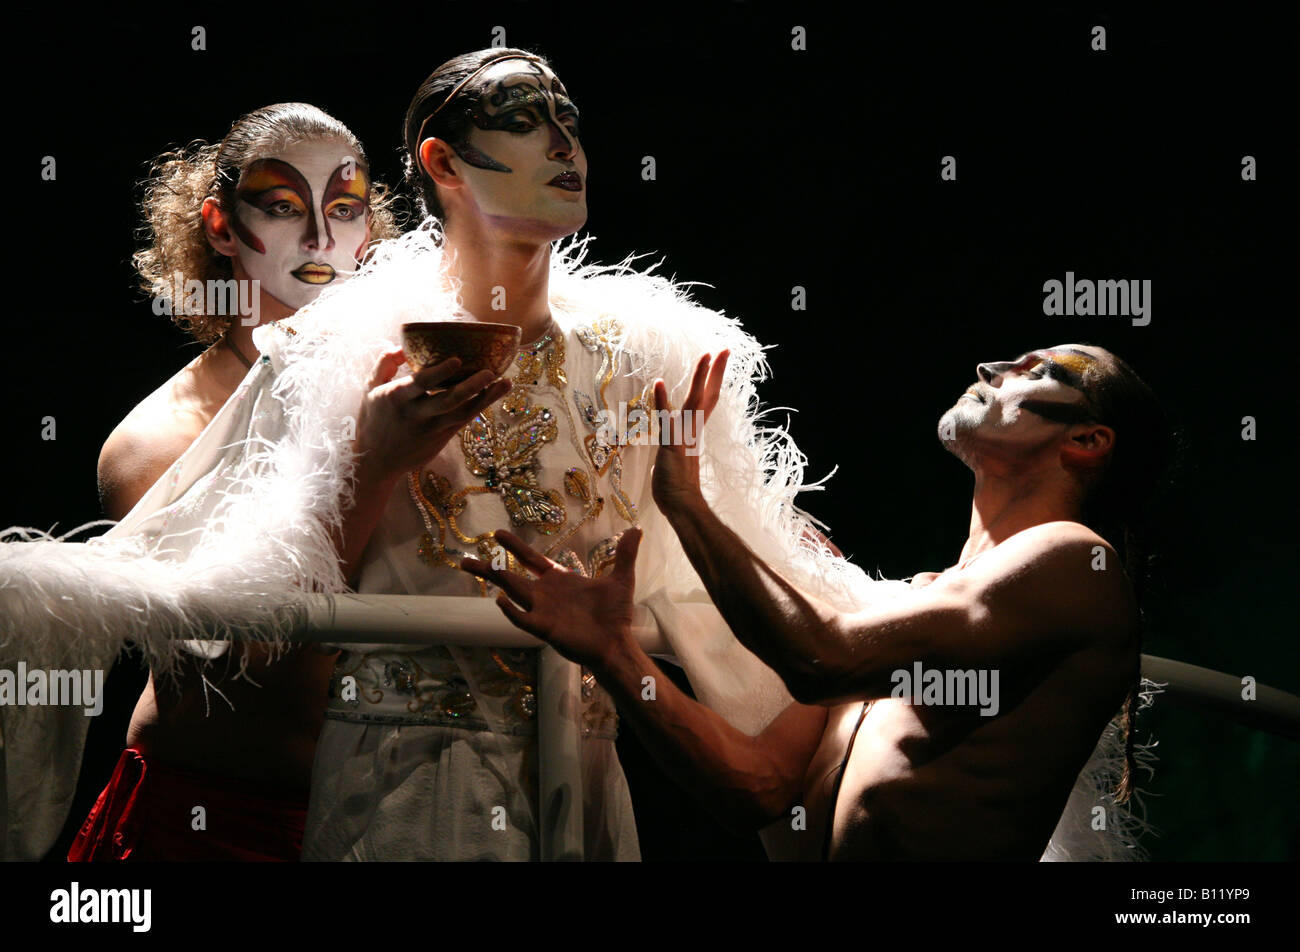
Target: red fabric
[(146, 814)]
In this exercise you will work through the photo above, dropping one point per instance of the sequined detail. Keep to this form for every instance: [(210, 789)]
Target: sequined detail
[(401, 687), (598, 452), (504, 454), (600, 337), (577, 484), (515, 678), (569, 559), (602, 555), (587, 409), (543, 358), (599, 717), (401, 675)]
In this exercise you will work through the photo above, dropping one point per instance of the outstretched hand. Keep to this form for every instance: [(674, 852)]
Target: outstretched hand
[(584, 619), (676, 479)]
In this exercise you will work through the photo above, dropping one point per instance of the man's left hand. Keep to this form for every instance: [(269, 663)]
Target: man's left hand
[(675, 483), (585, 619)]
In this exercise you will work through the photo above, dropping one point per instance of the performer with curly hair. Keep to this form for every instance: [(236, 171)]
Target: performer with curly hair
[(279, 210)]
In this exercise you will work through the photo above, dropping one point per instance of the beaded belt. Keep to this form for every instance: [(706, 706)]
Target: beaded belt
[(427, 687)]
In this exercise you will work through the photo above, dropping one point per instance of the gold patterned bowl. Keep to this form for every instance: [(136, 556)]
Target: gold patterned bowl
[(479, 345)]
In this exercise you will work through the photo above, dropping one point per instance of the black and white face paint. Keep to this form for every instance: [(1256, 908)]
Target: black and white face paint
[(1021, 402), (522, 158)]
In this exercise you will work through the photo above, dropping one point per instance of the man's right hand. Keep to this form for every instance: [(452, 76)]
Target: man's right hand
[(402, 425)]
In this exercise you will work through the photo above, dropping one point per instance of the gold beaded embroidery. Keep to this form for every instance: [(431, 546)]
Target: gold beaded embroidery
[(599, 337), (544, 357), (577, 484), (504, 453)]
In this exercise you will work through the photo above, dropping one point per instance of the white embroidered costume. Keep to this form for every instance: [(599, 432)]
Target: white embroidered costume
[(416, 761)]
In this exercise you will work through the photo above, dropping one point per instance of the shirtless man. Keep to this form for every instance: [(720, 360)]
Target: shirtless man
[(286, 203), (1059, 440)]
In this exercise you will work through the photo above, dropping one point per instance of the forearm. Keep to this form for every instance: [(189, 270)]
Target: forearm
[(744, 781), (792, 632), (371, 491)]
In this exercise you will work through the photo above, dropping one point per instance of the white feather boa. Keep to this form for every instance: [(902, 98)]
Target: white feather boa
[(225, 544)]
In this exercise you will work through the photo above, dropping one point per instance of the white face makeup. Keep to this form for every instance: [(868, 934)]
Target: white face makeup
[(522, 159), (300, 219), (1022, 403)]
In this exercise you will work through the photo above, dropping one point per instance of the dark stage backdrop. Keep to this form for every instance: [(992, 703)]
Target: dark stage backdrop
[(776, 168)]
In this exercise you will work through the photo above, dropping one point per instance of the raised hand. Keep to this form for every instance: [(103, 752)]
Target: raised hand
[(406, 422), (676, 479), (586, 620)]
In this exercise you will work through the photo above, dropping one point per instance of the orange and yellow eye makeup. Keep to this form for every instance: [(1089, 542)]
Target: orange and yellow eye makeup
[(1067, 366)]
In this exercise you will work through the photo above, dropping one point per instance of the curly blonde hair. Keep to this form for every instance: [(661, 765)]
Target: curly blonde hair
[(179, 181)]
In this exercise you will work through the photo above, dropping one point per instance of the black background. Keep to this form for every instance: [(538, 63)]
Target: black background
[(777, 168)]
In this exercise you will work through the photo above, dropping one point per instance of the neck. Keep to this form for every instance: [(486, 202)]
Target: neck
[(1005, 504), (502, 281), (241, 339), (221, 363), (269, 309)]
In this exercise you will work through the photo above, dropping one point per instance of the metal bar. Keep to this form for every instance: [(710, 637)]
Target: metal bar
[(559, 756), (420, 619), (434, 619), (1215, 692)]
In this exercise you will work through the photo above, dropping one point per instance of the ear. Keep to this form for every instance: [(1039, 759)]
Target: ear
[(435, 159), (1087, 446), (216, 225)]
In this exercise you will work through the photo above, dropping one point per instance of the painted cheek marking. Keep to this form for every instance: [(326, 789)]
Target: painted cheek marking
[(480, 160), (247, 237)]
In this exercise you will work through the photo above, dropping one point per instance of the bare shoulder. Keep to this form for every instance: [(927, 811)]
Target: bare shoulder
[(1062, 572), (141, 448)]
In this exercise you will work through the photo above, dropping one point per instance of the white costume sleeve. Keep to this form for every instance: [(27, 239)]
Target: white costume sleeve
[(221, 546), (72, 606)]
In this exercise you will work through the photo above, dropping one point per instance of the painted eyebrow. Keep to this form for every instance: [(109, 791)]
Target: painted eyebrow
[(1064, 375), (1054, 370), (523, 93)]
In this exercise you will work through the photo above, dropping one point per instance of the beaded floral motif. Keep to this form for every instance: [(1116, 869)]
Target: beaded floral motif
[(504, 453), (543, 358)]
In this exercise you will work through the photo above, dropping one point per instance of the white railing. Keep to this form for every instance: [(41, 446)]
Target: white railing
[(424, 620)]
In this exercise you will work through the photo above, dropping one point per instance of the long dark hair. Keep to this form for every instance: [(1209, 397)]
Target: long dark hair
[(452, 121), (1117, 504)]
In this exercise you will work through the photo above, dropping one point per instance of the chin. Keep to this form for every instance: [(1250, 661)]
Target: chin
[(547, 227), (956, 427), (570, 217)]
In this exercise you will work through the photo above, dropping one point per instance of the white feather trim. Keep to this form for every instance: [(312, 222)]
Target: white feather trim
[(1077, 837)]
